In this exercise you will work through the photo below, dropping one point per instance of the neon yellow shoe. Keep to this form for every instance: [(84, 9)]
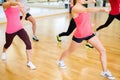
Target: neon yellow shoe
[(58, 38), (89, 45)]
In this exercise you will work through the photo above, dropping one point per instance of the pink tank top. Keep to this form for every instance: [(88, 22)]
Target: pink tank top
[(83, 25), (13, 19), (115, 7)]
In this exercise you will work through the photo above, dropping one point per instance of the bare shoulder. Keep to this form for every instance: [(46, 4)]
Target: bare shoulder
[(75, 11), (79, 9)]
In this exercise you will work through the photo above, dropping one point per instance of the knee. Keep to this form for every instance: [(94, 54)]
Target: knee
[(7, 45), (33, 21), (70, 50), (103, 52), (28, 46)]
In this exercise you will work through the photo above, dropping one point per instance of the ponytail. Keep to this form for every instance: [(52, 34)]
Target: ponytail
[(4, 0), (74, 2)]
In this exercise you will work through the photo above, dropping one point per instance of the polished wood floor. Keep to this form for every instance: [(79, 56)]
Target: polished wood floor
[(83, 64)]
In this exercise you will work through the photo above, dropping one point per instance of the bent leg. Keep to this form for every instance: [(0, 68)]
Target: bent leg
[(71, 27), (73, 46), (109, 20), (98, 45), (32, 20), (9, 39), (23, 35)]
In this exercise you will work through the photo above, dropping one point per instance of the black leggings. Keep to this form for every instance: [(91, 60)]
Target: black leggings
[(71, 27), (79, 40), (109, 20), (22, 34)]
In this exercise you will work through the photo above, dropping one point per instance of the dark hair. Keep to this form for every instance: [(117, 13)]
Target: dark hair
[(4, 0), (74, 2)]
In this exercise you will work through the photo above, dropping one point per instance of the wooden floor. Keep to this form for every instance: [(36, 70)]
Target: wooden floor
[(83, 64)]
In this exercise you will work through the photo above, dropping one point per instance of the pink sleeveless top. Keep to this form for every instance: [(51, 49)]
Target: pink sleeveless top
[(83, 25), (115, 7), (13, 19)]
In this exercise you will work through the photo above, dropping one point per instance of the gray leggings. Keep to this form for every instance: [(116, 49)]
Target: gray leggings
[(22, 34)]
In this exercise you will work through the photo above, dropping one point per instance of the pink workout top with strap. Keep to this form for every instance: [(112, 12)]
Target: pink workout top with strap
[(13, 19), (83, 25)]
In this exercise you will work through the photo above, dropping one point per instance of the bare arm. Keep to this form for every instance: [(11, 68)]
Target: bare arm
[(9, 3), (24, 5), (96, 9), (23, 12), (18, 0), (90, 1), (86, 2), (81, 9), (13, 3), (71, 3)]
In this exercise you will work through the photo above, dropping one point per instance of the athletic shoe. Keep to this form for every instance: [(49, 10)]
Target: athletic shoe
[(108, 75), (58, 38), (61, 64), (3, 56), (31, 65), (35, 38), (89, 45)]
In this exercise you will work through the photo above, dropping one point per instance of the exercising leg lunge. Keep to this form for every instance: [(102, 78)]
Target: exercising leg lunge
[(71, 27), (14, 27), (114, 13), (109, 20), (84, 31)]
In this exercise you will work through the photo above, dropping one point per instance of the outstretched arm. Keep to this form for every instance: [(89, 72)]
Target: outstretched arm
[(95, 9), (72, 2), (90, 1), (81, 9)]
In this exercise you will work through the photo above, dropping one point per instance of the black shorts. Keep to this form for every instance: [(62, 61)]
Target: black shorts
[(27, 15), (79, 40)]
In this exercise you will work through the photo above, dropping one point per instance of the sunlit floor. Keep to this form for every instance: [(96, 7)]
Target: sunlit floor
[(83, 64)]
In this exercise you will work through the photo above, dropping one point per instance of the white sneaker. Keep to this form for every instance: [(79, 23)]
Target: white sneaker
[(108, 75), (35, 38), (61, 64), (3, 56), (31, 65)]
